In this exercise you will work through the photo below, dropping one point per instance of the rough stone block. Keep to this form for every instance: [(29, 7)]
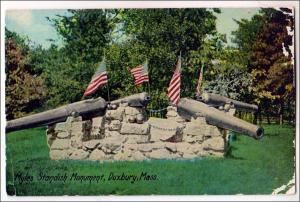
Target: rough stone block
[(63, 135), (161, 154), (147, 147), (111, 144), (133, 111), (79, 154), (77, 127), (135, 129), (58, 154), (97, 155), (97, 127), (91, 144), (117, 114), (137, 139), (112, 134), (61, 144), (76, 142), (215, 143), (138, 156), (60, 127), (165, 130), (115, 125)]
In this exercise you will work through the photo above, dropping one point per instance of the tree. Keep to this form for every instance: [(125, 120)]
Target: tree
[(247, 32), (86, 32), (69, 69), (24, 89), (160, 35), (271, 69)]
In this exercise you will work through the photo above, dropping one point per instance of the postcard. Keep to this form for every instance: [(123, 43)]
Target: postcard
[(149, 100)]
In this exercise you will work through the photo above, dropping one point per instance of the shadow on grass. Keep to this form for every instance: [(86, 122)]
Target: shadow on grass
[(229, 153)]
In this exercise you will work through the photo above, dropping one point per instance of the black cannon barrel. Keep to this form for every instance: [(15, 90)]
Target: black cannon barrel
[(219, 100), (191, 108), (136, 100), (85, 108)]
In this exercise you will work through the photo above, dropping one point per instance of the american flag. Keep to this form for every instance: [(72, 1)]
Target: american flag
[(140, 74), (198, 89), (174, 86), (98, 79)]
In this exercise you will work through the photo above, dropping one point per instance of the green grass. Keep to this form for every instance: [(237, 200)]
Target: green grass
[(251, 167)]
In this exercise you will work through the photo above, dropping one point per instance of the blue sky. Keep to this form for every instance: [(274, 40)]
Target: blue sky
[(33, 23)]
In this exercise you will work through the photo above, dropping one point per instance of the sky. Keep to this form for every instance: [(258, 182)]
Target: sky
[(33, 23)]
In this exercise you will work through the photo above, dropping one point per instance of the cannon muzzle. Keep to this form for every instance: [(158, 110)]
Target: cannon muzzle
[(136, 100), (219, 100), (188, 108)]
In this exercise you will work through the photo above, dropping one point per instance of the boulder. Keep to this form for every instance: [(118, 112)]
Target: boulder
[(137, 156), (124, 154), (213, 131), (189, 156), (181, 147), (97, 127), (135, 129), (165, 130), (133, 111), (77, 127), (140, 118), (117, 114), (194, 132), (171, 114), (161, 154), (79, 154), (60, 144), (60, 127), (115, 125), (215, 144), (58, 154), (136, 139), (97, 155), (91, 144), (148, 147), (63, 135), (112, 134), (111, 145)]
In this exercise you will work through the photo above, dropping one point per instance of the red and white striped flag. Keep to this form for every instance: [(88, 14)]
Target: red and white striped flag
[(140, 74), (98, 79), (199, 84), (174, 86)]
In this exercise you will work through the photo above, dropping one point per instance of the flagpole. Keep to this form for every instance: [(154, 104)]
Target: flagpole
[(107, 84), (108, 97)]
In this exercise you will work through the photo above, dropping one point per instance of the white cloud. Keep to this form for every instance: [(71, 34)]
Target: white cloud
[(21, 17)]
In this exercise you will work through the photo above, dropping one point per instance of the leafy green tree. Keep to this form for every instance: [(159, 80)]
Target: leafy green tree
[(68, 69), (247, 33), (24, 88), (86, 33), (160, 35)]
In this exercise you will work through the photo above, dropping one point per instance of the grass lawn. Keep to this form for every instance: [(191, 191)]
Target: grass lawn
[(251, 167)]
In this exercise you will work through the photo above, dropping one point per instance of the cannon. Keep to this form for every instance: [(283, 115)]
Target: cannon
[(86, 108), (136, 100), (188, 108), (219, 100)]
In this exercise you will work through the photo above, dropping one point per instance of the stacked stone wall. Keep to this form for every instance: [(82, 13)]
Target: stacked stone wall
[(125, 133)]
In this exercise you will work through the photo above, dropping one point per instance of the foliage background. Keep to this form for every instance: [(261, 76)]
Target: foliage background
[(258, 69)]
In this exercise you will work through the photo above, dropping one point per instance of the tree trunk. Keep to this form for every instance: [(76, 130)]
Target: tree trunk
[(255, 118), (259, 118), (268, 118), (281, 113)]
